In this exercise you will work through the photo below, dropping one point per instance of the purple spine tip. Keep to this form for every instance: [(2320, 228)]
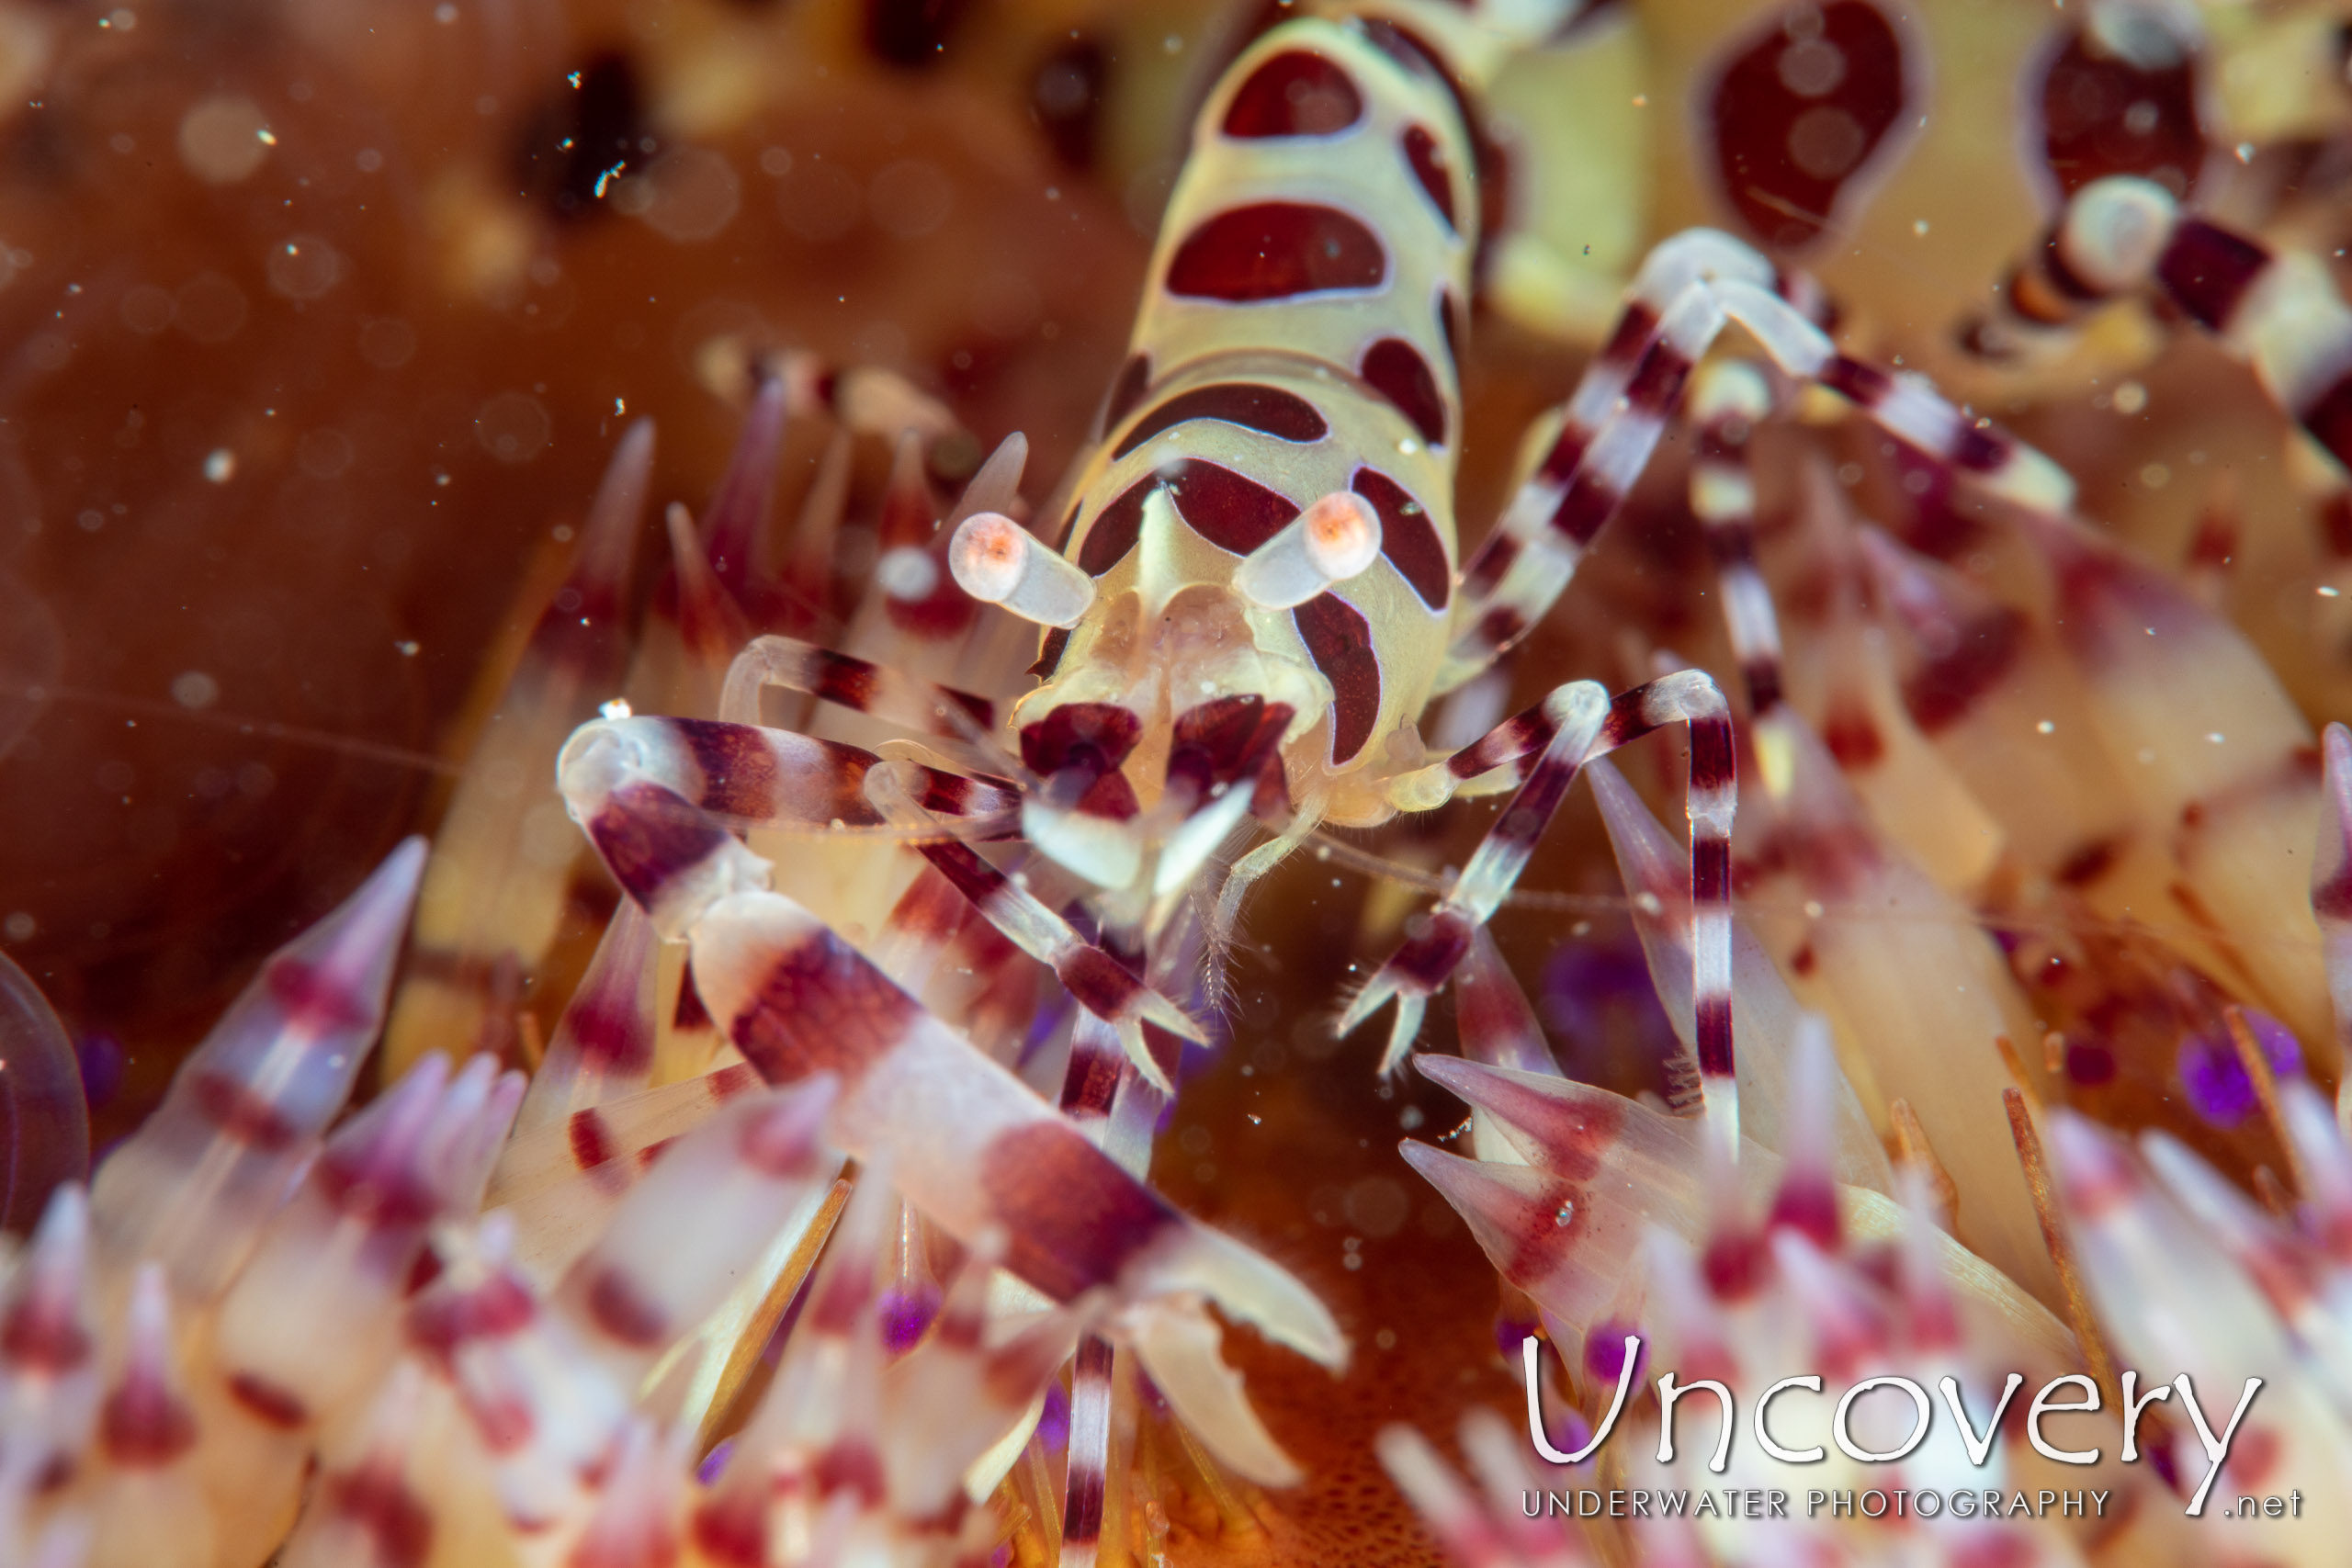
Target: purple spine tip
[(2219, 1090), (906, 1316), (1053, 1426)]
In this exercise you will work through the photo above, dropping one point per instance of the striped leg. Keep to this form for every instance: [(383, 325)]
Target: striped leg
[(2280, 314), (1113, 1102), (1096, 1075), (969, 1145), (1729, 397), (1086, 1482), (1669, 271), (942, 712), (1528, 560), (1693, 257), (1110, 1101), (745, 774), (749, 776), (1576, 724), (1106, 988)]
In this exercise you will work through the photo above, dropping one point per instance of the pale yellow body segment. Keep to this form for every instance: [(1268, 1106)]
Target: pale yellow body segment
[(1308, 345)]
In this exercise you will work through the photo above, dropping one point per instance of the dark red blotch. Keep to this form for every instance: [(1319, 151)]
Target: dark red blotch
[(1426, 160), (1276, 250), (1408, 537), (1296, 93), (1396, 370), (1268, 410), (1799, 111), (1340, 641), (2102, 115)]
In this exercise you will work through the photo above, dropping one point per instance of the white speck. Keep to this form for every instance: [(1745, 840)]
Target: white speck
[(407, 647), (266, 137), (221, 465), (20, 926), (1565, 1214), (1408, 447), (123, 17), (445, 13), (1255, 1120), (1173, 43), (1918, 226), (619, 407), (574, 77), (2325, 592), (194, 688), (1813, 910), (1353, 1260), (907, 572), (368, 160), (2245, 151), (561, 532), (2147, 754), (2214, 736), (2045, 727), (616, 709)]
